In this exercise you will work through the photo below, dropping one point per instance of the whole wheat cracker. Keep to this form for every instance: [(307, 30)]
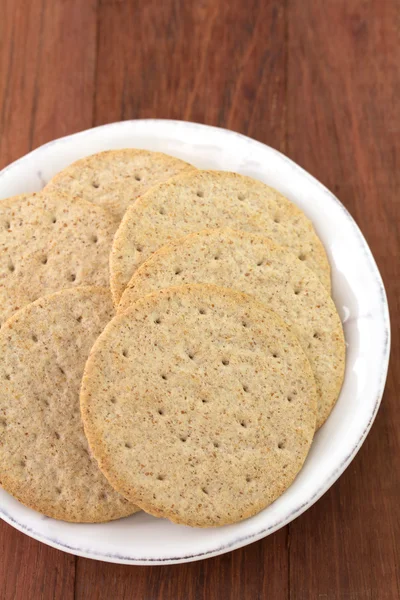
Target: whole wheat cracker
[(44, 456), (199, 405), (207, 200), (18, 196), (114, 179), (49, 241), (255, 265)]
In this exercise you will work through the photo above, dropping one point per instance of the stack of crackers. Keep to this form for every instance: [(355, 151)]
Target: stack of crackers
[(168, 342)]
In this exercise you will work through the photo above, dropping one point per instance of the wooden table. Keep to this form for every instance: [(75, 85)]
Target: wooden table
[(318, 80)]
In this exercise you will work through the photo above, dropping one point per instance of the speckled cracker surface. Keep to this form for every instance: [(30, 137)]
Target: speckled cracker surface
[(207, 200), (44, 456), (199, 405), (48, 242), (115, 178), (257, 266), (18, 197)]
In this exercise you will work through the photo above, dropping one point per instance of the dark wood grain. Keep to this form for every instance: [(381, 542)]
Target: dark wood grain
[(47, 71), (30, 570), (317, 80), (343, 72), (20, 35), (47, 76), (245, 573), (211, 61)]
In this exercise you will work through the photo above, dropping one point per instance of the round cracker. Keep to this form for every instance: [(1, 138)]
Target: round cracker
[(44, 456), (48, 242), (256, 266), (207, 200), (115, 178), (199, 405)]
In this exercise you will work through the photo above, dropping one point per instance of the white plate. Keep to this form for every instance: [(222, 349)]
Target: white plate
[(360, 298)]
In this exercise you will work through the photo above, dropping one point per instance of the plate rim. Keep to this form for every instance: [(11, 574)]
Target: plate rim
[(330, 480)]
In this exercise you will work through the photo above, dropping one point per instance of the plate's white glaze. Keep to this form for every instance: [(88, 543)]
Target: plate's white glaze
[(359, 295)]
